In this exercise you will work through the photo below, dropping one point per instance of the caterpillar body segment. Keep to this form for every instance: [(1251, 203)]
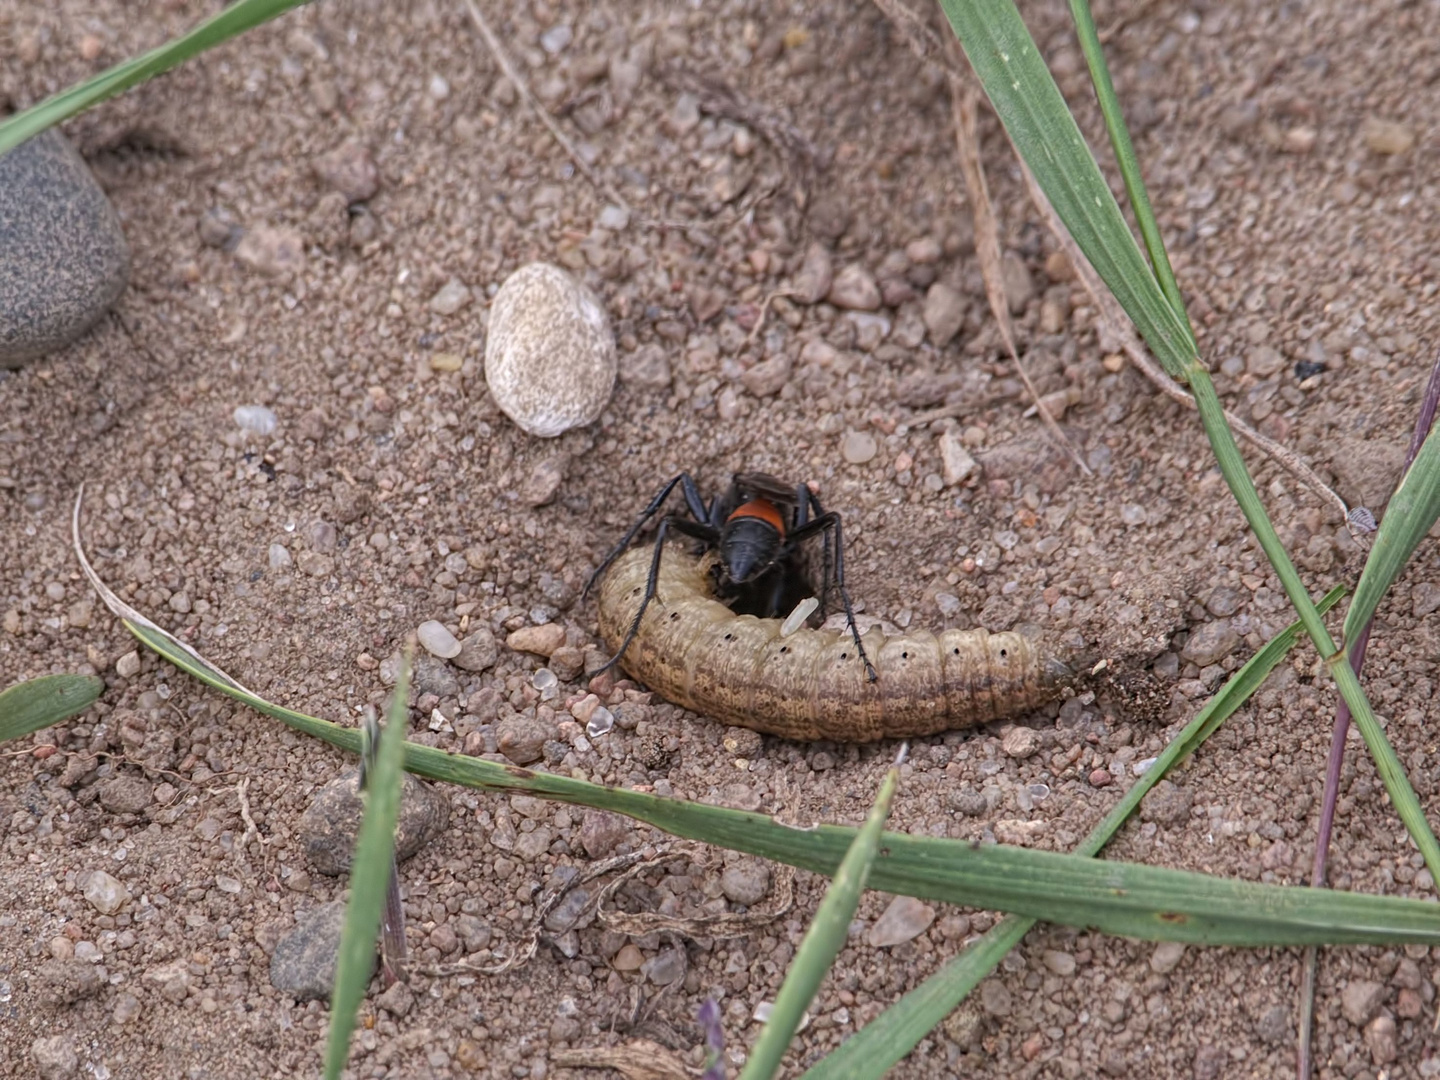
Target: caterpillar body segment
[(811, 684)]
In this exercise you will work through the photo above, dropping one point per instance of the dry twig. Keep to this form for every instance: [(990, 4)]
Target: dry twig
[(523, 88)]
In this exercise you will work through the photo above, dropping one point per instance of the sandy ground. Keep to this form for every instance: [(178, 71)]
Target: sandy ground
[(396, 488)]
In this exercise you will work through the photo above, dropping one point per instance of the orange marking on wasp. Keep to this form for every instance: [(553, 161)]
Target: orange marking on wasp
[(763, 509)]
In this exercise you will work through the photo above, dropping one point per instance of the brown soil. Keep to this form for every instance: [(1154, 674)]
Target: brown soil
[(397, 490)]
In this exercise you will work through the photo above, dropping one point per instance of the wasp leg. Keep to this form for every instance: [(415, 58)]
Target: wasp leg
[(821, 524), (693, 502), (669, 521)]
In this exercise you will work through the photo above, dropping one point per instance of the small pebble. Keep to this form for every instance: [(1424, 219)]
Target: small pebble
[(944, 314), (665, 967), (768, 376), (540, 640), (614, 218), (453, 296), (601, 833), (746, 881), (1166, 957), (858, 447), (274, 252), (105, 893), (66, 260), (478, 651), (54, 1057), (256, 419), (816, 275), (1361, 999), (1210, 643), (1101, 778), (437, 640), (128, 665), (955, 461), (1020, 742), (350, 170), (904, 920), (279, 557), (1019, 285), (601, 722), (550, 354), (329, 825), (629, 958), (522, 739), (1387, 137), (1060, 963), (854, 289), (544, 480), (556, 38), (303, 964), (125, 794)]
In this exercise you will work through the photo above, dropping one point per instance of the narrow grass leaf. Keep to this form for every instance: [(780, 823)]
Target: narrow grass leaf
[(1034, 113), (823, 940), (36, 704), (1119, 898), (1029, 104), (1127, 161), (871, 1051), (1409, 515), (369, 878), (236, 19)]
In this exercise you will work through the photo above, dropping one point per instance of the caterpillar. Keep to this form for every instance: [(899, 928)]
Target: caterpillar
[(810, 684)]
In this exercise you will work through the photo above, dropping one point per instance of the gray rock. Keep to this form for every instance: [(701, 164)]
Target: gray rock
[(816, 275), (955, 460), (944, 314), (648, 367), (126, 794), (601, 833), (63, 982), (433, 676), (304, 962), (54, 1057), (66, 260), (1019, 285), (541, 486), (329, 825), (478, 651), (350, 170), (904, 920), (550, 354), (1360, 1000), (1366, 471), (105, 893), (854, 289), (1210, 643), (522, 738), (1166, 957), (768, 376), (436, 639), (746, 881)]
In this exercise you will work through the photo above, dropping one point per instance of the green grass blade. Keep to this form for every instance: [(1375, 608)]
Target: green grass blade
[(369, 878), (1127, 161), (823, 940), (873, 1049), (1411, 512), (1030, 106), (30, 706), (1118, 898), (1034, 114), (234, 20)]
